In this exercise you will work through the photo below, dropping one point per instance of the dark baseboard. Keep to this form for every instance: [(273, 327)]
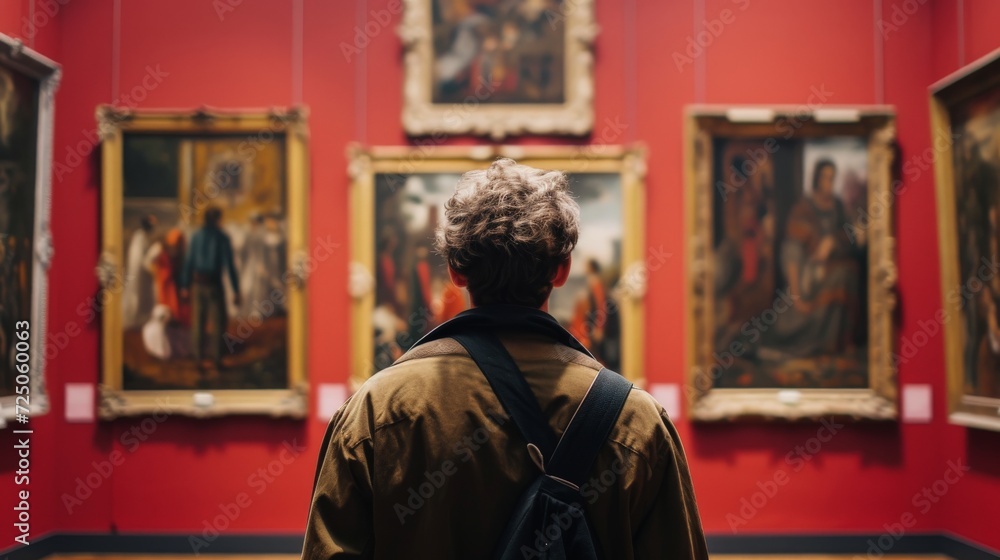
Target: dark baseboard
[(865, 547), (145, 543), (819, 544)]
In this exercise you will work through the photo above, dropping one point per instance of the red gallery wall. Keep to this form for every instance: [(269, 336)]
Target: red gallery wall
[(772, 51)]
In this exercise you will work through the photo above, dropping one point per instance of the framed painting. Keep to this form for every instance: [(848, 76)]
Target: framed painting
[(28, 83), (965, 115), (400, 286), (790, 263), (204, 239), (498, 68)]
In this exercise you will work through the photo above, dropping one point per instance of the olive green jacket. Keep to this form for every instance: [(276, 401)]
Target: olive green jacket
[(423, 462)]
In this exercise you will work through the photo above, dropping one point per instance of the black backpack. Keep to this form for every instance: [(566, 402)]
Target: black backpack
[(549, 521)]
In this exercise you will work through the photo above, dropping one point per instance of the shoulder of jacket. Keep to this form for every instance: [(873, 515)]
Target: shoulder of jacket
[(644, 427), (430, 349), (387, 398)]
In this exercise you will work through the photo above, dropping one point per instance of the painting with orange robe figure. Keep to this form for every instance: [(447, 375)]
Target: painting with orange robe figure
[(791, 263), (499, 51), (413, 293), (203, 304)]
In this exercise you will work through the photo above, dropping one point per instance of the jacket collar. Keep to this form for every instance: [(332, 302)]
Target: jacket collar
[(505, 317)]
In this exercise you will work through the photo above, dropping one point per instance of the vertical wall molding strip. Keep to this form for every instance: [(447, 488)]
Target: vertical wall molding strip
[(631, 73), (961, 33), (31, 18), (298, 25), (116, 46), (361, 81), (700, 64), (879, 56)]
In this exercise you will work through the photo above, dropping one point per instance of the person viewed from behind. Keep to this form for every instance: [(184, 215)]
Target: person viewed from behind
[(427, 461)]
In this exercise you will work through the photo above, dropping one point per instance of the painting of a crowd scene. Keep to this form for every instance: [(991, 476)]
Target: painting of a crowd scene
[(204, 298), (791, 254), (976, 129), (414, 293), (498, 51)]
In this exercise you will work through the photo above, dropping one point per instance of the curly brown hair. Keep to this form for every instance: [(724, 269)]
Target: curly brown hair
[(507, 229)]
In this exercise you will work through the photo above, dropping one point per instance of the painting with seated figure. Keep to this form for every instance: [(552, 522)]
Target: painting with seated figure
[(791, 265)]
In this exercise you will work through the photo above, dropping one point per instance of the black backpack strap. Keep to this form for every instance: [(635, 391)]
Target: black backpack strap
[(510, 387), (589, 428)]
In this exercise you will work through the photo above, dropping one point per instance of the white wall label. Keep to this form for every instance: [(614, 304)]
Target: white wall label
[(917, 404), (80, 402)]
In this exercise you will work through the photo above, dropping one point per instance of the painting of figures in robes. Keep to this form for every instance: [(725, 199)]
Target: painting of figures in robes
[(966, 111), (509, 52), (498, 67), (790, 227), (206, 298), (413, 293), (28, 82), (791, 261), (401, 287)]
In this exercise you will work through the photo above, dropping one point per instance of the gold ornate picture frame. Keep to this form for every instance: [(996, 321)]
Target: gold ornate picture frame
[(503, 71), (396, 198), (780, 196), (965, 120), (162, 173)]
